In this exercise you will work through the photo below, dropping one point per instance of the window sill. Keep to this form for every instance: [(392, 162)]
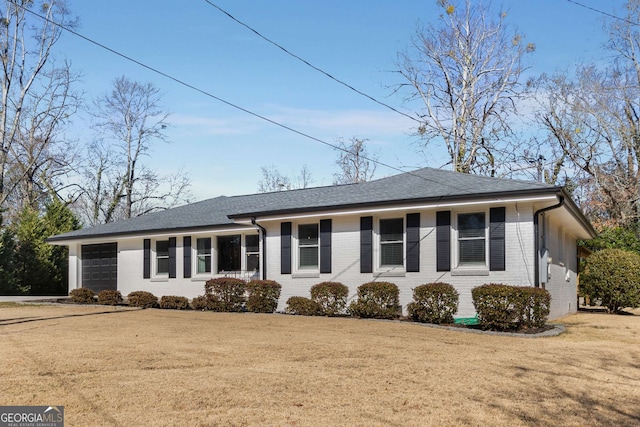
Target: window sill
[(200, 278), (160, 279), (470, 271), (306, 275)]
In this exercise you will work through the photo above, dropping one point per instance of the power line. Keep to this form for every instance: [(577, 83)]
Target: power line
[(210, 95), (304, 61), (593, 9)]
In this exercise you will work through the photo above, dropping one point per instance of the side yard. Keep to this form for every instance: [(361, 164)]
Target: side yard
[(116, 366)]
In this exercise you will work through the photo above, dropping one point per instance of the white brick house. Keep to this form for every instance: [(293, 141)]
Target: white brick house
[(414, 228)]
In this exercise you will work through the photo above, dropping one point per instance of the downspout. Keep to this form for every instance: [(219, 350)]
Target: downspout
[(263, 255), (536, 233)]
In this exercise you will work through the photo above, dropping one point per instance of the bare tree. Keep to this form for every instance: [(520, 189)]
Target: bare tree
[(594, 119), (272, 180), (355, 163), (466, 71), (36, 102), (118, 183)]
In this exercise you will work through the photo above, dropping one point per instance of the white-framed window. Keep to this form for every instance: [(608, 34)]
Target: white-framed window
[(472, 239), (252, 252), (308, 247), (162, 257), (203, 255), (391, 242)]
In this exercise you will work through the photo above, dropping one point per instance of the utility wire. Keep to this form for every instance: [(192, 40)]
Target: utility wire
[(210, 95), (304, 61), (593, 9)]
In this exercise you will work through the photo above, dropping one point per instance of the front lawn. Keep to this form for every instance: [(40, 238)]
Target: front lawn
[(116, 366)]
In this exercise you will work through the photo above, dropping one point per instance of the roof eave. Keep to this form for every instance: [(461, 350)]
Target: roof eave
[(452, 198)]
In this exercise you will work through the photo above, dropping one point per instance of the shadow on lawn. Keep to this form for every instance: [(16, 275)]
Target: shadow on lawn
[(18, 320)]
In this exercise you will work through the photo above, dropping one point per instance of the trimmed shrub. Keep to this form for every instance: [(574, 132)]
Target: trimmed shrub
[(200, 303), (495, 307), (225, 294), (263, 296), (434, 303), (303, 306), (378, 300), (613, 277), (502, 308), (331, 297), (109, 297), (142, 299), (173, 302), (82, 296), (537, 306)]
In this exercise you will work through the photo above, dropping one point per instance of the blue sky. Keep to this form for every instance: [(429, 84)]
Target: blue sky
[(222, 148)]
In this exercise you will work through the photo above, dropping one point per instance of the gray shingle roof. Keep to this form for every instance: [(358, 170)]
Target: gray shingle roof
[(425, 184)]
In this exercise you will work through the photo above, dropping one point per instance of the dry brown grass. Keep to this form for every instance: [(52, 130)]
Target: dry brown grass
[(120, 367)]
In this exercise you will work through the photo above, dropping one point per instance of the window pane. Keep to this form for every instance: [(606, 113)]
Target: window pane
[(308, 234), (253, 262), (228, 253), (472, 251), (309, 257), (163, 265), (204, 246), (391, 254), (471, 225), (203, 255), (252, 243), (162, 248), (391, 230)]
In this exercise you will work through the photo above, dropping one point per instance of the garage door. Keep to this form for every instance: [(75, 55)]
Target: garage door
[(100, 266)]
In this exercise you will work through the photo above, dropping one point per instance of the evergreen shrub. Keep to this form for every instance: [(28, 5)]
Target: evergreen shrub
[(174, 302), (142, 299), (82, 296), (109, 297), (434, 303), (613, 277), (378, 300), (225, 294), (262, 296), (303, 306), (331, 297), (502, 308), (200, 303)]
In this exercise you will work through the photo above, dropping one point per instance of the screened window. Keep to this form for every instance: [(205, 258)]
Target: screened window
[(203, 255), (391, 242), (308, 246), (472, 239), (229, 253), (162, 257), (252, 244)]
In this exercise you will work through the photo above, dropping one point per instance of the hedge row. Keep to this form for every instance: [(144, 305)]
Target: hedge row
[(378, 300), (499, 307), (222, 294), (234, 295)]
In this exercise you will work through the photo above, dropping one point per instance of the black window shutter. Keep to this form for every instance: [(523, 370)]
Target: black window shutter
[(325, 246), (413, 242), (366, 244), (186, 249), (285, 248), (443, 241), (172, 257), (146, 264), (497, 218)]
